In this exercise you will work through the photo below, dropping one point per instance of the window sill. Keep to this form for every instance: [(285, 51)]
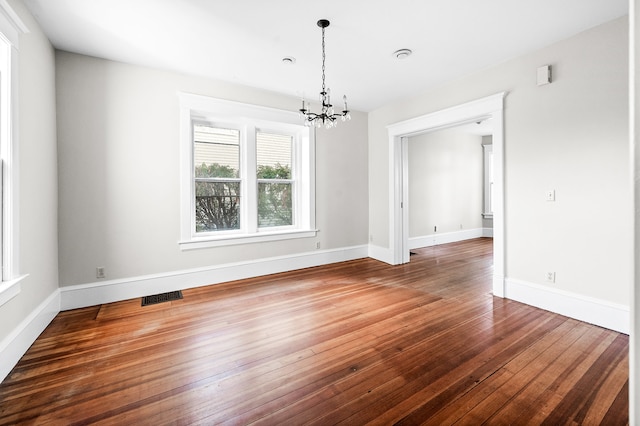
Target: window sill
[(228, 240), (10, 289)]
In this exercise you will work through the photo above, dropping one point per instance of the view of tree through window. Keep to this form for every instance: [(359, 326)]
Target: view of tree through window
[(217, 178), (275, 202)]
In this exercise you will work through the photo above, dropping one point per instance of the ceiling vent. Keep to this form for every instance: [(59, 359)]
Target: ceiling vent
[(402, 53)]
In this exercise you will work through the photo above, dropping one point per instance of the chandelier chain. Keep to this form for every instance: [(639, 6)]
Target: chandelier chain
[(323, 59)]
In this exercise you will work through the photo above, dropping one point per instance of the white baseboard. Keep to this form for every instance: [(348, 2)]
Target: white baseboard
[(445, 238), (97, 293), (594, 311), (22, 337), (382, 254), (487, 232)]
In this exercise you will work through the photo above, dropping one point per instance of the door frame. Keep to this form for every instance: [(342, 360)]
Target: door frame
[(491, 107)]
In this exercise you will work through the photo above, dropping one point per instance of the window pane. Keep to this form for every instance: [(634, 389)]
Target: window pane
[(274, 204), (217, 206), (216, 152), (273, 153)]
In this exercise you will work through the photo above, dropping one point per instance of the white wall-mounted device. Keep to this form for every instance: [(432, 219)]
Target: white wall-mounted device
[(544, 75)]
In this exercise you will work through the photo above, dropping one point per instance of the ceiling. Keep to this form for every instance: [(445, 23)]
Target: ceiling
[(244, 41)]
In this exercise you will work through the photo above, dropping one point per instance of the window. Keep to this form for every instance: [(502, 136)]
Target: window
[(275, 183), (247, 174), (10, 29), (217, 178), (488, 181)]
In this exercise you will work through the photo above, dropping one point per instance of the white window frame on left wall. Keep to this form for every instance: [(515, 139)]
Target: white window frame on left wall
[(11, 27)]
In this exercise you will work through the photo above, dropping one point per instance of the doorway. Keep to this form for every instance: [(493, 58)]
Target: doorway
[(486, 108)]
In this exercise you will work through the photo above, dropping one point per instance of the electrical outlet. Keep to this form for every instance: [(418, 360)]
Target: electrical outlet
[(551, 277), (100, 272), (435, 229), (317, 244)]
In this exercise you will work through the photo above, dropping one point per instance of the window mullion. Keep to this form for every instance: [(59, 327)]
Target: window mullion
[(296, 175), (250, 194), (302, 185)]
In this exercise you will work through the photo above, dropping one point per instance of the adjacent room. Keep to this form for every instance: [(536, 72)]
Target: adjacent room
[(341, 213)]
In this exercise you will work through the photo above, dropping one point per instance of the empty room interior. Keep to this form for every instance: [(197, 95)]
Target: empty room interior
[(246, 212)]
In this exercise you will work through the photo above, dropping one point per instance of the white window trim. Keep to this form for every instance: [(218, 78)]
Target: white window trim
[(487, 150), (202, 108), (11, 27)]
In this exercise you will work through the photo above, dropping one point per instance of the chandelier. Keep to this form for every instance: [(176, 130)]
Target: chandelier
[(327, 117)]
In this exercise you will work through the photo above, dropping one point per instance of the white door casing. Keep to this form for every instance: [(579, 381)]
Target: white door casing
[(490, 107)]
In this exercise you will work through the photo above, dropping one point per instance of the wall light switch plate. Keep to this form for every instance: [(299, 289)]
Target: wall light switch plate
[(550, 195)]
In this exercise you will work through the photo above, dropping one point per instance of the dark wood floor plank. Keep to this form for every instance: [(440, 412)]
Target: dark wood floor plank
[(574, 402), (617, 414), (435, 383), (492, 393), (612, 387), (350, 343), (518, 397)]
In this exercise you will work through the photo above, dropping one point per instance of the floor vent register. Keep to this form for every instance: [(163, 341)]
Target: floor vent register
[(163, 297)]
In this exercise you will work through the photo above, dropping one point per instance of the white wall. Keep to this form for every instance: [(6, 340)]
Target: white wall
[(37, 187), (445, 182), (118, 139), (570, 136)]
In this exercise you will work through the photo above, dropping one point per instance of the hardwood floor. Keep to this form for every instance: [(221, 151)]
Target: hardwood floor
[(353, 343)]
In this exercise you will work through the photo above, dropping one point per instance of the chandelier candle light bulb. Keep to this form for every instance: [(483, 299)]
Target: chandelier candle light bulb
[(327, 115)]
